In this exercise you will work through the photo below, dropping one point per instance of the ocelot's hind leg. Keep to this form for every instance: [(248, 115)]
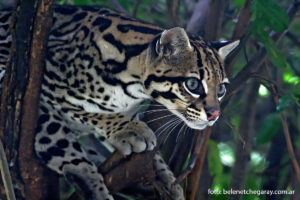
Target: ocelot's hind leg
[(166, 177), (57, 147)]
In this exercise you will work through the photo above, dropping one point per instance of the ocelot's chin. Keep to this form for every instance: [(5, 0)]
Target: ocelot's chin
[(199, 124)]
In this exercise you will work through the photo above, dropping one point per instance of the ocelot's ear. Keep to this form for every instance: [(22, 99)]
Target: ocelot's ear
[(225, 48), (172, 42)]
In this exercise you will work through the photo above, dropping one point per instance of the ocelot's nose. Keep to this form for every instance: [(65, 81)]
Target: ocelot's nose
[(212, 113)]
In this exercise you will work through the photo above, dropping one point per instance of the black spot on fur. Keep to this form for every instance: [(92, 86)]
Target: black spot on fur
[(46, 157), (77, 147), (45, 140), (66, 130), (124, 28), (79, 16), (43, 118), (101, 90), (92, 152), (76, 161), (52, 128), (123, 123), (38, 128), (44, 109), (63, 143), (56, 151), (65, 10), (103, 23), (106, 98)]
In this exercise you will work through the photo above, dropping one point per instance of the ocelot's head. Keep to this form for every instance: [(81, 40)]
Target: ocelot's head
[(187, 76)]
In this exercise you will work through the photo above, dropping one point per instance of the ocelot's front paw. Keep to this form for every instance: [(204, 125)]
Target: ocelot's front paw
[(135, 137)]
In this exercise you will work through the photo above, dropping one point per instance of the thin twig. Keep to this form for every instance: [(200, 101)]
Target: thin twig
[(188, 170), (201, 143), (286, 133), (293, 38), (6, 178), (135, 8), (234, 130), (261, 77)]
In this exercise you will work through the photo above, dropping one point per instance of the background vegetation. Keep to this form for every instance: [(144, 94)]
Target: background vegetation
[(247, 148)]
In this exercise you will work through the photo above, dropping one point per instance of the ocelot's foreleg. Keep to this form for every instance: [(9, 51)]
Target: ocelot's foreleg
[(124, 133), (57, 147), (129, 135)]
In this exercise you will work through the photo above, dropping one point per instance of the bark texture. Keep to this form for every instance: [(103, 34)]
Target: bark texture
[(20, 96)]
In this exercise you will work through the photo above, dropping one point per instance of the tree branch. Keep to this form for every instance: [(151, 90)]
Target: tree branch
[(242, 151), (196, 23), (118, 6), (20, 97), (240, 31), (214, 18), (200, 149), (286, 134), (30, 166), (135, 8), (293, 38), (173, 12)]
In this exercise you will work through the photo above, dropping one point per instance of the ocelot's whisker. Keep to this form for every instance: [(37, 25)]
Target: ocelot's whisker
[(153, 120), (163, 127), (180, 122), (160, 130), (180, 131), (153, 111), (170, 121), (188, 129)]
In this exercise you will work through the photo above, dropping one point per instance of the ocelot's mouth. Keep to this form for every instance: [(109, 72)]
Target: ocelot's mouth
[(198, 123), (193, 121)]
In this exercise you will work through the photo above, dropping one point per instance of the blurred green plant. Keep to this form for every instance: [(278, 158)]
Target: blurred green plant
[(268, 16)]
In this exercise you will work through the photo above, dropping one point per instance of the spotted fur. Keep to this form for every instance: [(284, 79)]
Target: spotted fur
[(101, 65)]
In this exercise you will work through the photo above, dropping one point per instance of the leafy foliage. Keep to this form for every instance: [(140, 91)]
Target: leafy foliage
[(268, 129), (264, 21), (214, 162)]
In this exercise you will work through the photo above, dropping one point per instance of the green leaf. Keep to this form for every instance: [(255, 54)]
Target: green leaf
[(268, 128), (276, 56), (270, 14), (284, 102), (214, 162), (239, 3), (81, 2)]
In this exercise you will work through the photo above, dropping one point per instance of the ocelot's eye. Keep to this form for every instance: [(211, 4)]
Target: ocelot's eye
[(192, 84), (194, 87), (221, 90)]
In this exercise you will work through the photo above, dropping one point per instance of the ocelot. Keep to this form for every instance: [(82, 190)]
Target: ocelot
[(100, 66)]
